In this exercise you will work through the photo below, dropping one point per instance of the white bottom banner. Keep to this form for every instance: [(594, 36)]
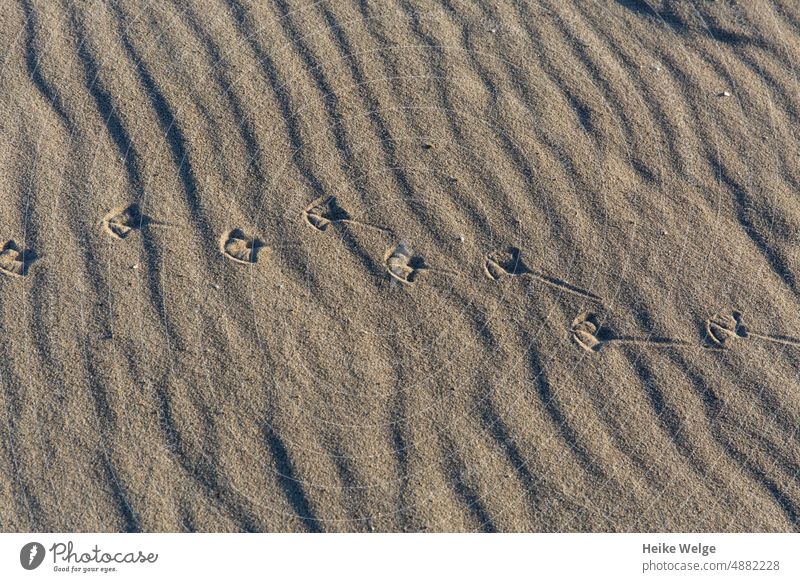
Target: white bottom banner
[(372, 557)]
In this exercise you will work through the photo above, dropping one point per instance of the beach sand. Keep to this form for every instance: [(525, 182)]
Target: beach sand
[(399, 265)]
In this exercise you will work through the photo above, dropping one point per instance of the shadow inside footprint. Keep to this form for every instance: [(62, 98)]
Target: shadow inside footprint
[(322, 212), (402, 265), (724, 328), (121, 222), (505, 262), (240, 247), (14, 261)]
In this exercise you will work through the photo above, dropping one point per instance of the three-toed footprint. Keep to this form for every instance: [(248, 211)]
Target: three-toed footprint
[(240, 247), (14, 260), (402, 265)]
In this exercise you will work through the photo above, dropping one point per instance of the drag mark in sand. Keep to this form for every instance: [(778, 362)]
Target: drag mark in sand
[(722, 329), (508, 262), (590, 334), (325, 211), (121, 222)]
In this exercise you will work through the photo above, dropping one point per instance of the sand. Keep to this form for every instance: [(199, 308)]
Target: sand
[(399, 265)]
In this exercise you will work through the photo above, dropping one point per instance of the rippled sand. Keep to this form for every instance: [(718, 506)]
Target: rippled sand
[(399, 265)]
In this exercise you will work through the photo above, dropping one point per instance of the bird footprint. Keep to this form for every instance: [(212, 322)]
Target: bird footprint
[(240, 247), (724, 328), (505, 262), (14, 260), (404, 266), (585, 329)]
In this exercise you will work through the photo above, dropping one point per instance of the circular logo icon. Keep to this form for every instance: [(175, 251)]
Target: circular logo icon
[(31, 555)]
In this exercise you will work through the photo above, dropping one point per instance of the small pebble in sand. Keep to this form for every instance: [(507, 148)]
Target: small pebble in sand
[(725, 94), (461, 238), (664, 232), (215, 286), (135, 266)]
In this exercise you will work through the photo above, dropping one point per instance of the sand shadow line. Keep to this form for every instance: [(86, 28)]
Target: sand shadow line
[(288, 481)]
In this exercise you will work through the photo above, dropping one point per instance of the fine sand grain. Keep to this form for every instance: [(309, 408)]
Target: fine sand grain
[(399, 265)]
